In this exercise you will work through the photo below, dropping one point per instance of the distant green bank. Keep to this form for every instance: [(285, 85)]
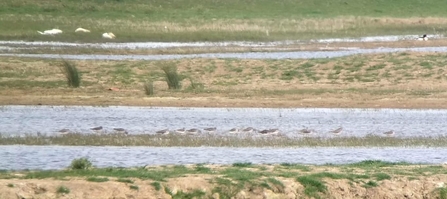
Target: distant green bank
[(217, 20)]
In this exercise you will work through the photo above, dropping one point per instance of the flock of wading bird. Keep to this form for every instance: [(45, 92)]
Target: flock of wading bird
[(211, 130), (55, 31)]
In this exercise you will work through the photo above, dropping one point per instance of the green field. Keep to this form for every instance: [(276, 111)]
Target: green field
[(218, 20)]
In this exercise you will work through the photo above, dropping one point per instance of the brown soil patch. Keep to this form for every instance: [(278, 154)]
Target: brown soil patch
[(392, 80)]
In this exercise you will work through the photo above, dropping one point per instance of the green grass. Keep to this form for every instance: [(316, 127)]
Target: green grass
[(370, 184), (211, 20), (10, 185), (312, 186), (443, 193), (156, 185), (63, 190), (382, 176)]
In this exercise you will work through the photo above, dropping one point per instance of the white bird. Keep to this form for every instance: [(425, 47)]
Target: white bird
[(50, 32), (108, 35), (423, 38), (82, 30)]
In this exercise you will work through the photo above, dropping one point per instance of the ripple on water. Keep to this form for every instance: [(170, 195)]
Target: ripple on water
[(59, 157)]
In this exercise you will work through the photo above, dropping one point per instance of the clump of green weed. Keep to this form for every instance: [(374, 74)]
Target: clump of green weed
[(63, 190), (81, 164), (10, 185), (370, 184), (71, 73), (312, 186), (156, 185)]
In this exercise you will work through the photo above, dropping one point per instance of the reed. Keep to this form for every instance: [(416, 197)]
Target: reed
[(171, 75), (174, 140), (71, 73)]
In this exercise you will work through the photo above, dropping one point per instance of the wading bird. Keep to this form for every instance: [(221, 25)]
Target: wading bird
[(120, 131), (181, 131), (423, 38), (389, 133), (193, 131), (210, 130), (337, 131), (97, 129), (163, 132)]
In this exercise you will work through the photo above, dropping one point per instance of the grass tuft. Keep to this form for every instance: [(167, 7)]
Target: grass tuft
[(171, 75), (156, 185), (63, 190), (71, 73), (312, 186), (81, 164), (370, 184), (10, 185), (149, 88), (443, 193)]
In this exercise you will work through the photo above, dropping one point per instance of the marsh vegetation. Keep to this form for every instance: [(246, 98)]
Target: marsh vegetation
[(363, 79), (173, 140), (367, 179)]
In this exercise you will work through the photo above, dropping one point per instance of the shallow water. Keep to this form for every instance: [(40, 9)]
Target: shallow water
[(59, 157), (154, 45), (17, 120), (244, 55)]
